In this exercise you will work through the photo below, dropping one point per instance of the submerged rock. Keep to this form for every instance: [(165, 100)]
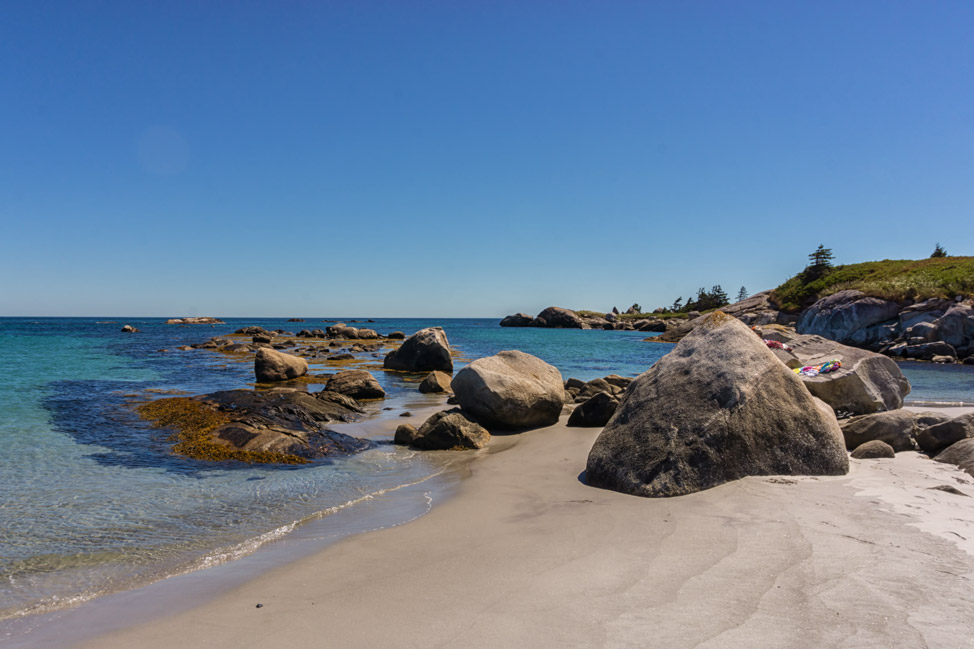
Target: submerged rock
[(276, 426), (717, 408), (510, 390), (424, 351), (271, 365)]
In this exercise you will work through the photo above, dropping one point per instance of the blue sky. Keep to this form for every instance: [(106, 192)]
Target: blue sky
[(468, 158)]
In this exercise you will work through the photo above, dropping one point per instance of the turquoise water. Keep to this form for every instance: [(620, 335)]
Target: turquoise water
[(92, 501)]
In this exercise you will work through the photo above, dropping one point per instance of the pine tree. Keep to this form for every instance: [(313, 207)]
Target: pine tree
[(742, 294), (821, 258), (938, 251), (821, 262)]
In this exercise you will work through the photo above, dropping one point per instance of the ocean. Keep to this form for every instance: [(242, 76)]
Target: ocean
[(93, 502)]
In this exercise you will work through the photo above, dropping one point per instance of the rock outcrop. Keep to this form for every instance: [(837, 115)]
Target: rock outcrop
[(510, 390), (555, 317), (425, 351), (129, 329), (517, 320), (719, 407), (358, 384), (188, 321), (277, 425), (271, 365), (447, 429)]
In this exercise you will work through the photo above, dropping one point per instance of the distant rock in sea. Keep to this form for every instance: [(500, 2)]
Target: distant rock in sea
[(203, 320)]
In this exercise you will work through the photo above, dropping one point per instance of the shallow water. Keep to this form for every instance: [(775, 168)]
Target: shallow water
[(92, 501)]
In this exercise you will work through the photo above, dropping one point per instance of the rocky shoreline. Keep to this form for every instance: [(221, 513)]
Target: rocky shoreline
[(935, 330)]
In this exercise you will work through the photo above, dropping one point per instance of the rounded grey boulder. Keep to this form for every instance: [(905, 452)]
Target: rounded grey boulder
[(510, 390), (873, 450), (271, 365), (717, 408)]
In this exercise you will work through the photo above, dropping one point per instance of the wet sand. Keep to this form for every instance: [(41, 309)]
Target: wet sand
[(527, 555)]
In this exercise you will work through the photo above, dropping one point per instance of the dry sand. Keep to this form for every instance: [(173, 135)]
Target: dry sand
[(528, 556)]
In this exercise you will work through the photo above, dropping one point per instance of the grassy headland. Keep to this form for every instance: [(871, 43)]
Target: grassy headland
[(890, 279)]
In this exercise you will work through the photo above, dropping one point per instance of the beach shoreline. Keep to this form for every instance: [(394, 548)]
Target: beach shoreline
[(526, 553)]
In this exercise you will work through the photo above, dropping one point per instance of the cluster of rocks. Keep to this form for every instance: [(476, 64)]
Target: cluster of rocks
[(555, 317), (281, 421), (509, 391), (934, 330), (194, 320), (940, 436)]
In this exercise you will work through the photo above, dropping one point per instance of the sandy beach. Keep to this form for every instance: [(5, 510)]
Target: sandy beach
[(528, 555)]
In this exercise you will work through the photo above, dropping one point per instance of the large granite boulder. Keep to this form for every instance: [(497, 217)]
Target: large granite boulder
[(357, 384), (960, 454), (517, 320), (841, 316), (717, 408), (510, 390), (897, 428), (867, 382), (945, 434), (424, 351), (271, 365), (447, 429), (555, 317)]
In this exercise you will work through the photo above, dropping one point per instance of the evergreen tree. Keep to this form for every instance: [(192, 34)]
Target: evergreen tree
[(938, 251), (742, 294), (821, 262), (677, 305), (821, 258)]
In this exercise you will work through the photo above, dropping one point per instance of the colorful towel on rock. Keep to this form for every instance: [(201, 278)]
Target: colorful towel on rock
[(815, 370), (775, 344)]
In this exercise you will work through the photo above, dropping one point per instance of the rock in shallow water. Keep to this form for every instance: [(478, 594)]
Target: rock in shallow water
[(717, 408), (424, 351), (271, 365), (357, 384)]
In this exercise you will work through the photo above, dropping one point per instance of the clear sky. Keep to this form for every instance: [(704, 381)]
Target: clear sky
[(467, 158)]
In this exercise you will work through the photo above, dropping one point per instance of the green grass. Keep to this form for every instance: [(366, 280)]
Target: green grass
[(890, 279)]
